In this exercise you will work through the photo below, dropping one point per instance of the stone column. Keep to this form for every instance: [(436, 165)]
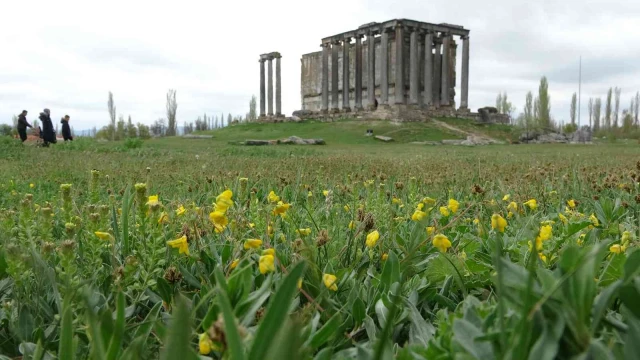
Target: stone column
[(428, 69), (414, 59), (437, 72), (399, 90), (384, 68), (325, 77), (345, 75), (270, 87), (371, 71), (358, 94), (464, 82), (444, 88), (278, 87), (263, 112), (335, 102)]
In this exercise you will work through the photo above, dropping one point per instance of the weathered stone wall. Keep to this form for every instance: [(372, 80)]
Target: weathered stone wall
[(311, 74)]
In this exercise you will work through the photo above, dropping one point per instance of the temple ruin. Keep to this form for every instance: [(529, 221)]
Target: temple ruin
[(269, 59), (386, 78)]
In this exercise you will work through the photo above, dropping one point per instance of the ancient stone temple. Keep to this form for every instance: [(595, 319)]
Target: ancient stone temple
[(269, 94), (395, 69)]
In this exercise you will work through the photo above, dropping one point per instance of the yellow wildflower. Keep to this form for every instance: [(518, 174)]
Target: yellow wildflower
[(325, 192), (453, 205), (626, 237), (181, 210), (164, 218), (441, 242), (513, 206), (385, 256), (346, 208), (223, 201), (396, 201), (205, 344), (563, 218), (506, 197), (103, 235), (545, 232), (153, 200), (352, 225), (372, 238), (476, 221), (181, 244), (429, 201), (532, 204), (269, 230), (32, 185), (594, 220), (420, 206), (617, 249), (219, 220), (542, 257), (281, 209), (270, 251), (265, 264), (444, 211), (581, 239), (273, 197), (430, 230), (571, 203), (330, 281), (303, 232), (309, 194), (538, 244), (252, 244), (509, 215), (498, 222), (418, 215), (234, 263)]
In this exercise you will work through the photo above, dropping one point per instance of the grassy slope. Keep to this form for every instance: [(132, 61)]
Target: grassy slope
[(338, 132), (346, 132)]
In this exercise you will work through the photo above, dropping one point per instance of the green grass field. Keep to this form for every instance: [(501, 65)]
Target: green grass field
[(182, 248)]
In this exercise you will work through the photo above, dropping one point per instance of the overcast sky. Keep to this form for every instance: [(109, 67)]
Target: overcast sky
[(67, 55)]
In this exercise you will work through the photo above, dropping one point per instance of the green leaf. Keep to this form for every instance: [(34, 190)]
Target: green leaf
[(178, 339), (632, 266), (546, 347), (116, 340), (382, 313), (390, 272), (25, 324), (127, 200), (420, 331), (602, 303), (358, 311), (189, 278), (236, 350), (164, 289), (629, 295), (276, 313), (324, 354), (326, 331), (631, 344), (465, 334), (65, 348)]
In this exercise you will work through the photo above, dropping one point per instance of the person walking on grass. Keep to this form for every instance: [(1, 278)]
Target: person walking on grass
[(48, 134), (23, 124), (66, 130)]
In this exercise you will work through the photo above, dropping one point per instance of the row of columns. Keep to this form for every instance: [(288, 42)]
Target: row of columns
[(269, 92), (431, 78)]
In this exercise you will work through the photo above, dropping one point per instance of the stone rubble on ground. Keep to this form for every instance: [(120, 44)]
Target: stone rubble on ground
[(383, 138), (291, 140)]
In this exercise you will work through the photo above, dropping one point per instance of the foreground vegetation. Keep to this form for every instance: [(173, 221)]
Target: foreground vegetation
[(177, 248)]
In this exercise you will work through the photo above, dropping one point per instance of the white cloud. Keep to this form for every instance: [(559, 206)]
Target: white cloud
[(67, 55)]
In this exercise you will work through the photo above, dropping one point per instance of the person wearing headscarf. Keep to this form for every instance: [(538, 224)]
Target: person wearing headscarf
[(48, 133), (23, 124), (66, 130)]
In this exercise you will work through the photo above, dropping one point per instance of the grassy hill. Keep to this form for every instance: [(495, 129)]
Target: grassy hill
[(347, 131)]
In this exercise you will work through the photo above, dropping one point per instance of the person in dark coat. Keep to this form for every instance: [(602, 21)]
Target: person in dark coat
[(66, 130), (48, 134), (23, 124)]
